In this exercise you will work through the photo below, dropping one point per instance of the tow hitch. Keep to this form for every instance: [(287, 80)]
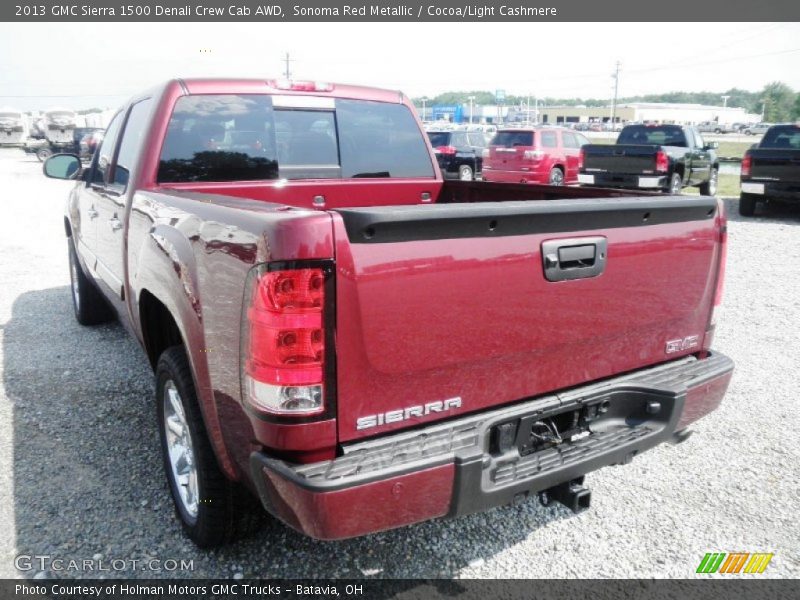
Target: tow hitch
[(571, 494)]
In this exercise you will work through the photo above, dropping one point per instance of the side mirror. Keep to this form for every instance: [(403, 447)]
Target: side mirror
[(712, 145), (62, 166)]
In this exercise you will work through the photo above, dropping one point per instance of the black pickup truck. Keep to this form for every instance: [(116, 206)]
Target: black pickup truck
[(771, 170), (659, 157)]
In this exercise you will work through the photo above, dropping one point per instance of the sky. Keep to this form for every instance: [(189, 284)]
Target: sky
[(83, 65)]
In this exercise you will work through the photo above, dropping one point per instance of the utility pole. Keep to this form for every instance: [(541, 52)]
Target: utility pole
[(287, 73), (471, 101), (616, 91)]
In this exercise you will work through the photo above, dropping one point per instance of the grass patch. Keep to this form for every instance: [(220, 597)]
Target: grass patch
[(727, 186)]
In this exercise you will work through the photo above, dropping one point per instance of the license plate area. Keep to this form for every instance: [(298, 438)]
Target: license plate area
[(565, 426)]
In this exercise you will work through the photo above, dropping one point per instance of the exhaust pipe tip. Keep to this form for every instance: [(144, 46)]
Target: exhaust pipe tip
[(681, 436)]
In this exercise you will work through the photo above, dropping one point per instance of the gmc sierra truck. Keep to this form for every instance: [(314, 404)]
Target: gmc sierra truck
[(360, 345), (771, 170), (656, 157)]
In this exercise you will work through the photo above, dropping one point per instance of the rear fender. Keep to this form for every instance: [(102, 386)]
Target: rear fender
[(165, 266)]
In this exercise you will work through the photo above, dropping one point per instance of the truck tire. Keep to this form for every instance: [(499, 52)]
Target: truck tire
[(212, 509), (709, 188), (465, 173), (87, 301), (675, 185), (556, 176), (43, 154), (747, 204)]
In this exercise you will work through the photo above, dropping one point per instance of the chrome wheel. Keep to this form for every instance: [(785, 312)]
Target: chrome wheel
[(179, 449), (465, 173), (556, 177), (712, 183)]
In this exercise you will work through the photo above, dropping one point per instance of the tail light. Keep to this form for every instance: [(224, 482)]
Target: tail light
[(446, 150), (284, 339), (532, 154), (721, 227), (302, 86), (747, 165), (662, 162), (581, 159)]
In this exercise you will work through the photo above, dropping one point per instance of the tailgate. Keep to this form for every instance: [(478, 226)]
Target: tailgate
[(453, 302), (625, 158), (775, 164)]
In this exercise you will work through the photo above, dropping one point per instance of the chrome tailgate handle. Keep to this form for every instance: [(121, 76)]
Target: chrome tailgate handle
[(574, 258)]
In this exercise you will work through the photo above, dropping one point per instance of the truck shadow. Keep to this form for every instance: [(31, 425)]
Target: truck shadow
[(88, 483), (775, 212)]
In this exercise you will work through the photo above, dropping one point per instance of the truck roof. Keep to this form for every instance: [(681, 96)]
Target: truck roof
[(284, 87)]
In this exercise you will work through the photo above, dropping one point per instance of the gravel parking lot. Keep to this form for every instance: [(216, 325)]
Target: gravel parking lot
[(80, 473)]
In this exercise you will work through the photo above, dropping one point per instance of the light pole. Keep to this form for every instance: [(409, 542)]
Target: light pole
[(615, 75), (424, 100), (471, 100), (725, 101)]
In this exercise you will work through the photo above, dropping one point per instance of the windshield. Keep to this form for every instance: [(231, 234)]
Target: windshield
[(509, 139), (246, 138), (60, 114), (10, 115), (659, 135), (787, 137)]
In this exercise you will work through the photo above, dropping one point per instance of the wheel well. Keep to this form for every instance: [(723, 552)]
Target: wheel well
[(159, 329), (67, 227), (679, 170)]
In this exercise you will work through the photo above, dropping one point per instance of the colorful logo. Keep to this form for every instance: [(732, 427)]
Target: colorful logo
[(734, 563)]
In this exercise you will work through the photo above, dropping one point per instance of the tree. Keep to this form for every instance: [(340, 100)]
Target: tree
[(796, 112), (779, 102)]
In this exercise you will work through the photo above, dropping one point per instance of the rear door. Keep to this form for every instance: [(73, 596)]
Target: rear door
[(111, 200), (454, 302), (700, 157), (572, 150)]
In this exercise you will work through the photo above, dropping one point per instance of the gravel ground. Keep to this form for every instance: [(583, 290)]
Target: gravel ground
[(81, 475)]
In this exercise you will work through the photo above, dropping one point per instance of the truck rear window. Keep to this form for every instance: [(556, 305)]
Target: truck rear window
[(247, 138), (787, 137), (509, 139), (660, 135)]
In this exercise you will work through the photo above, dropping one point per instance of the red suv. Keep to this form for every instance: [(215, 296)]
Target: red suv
[(546, 155)]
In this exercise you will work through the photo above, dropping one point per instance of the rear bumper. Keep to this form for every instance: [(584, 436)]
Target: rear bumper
[(783, 190), (625, 181), (456, 467), (500, 176)]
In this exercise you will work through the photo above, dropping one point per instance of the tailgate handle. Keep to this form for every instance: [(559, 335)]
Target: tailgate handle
[(574, 258)]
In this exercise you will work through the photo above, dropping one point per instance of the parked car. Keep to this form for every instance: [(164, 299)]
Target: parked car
[(771, 171), (547, 155), (757, 129), (714, 127), (660, 157), (459, 153), (362, 345)]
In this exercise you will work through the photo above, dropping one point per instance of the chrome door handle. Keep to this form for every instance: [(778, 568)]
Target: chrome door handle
[(115, 223), (92, 213)]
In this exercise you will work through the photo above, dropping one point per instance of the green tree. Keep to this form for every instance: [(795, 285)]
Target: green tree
[(796, 112), (779, 102)]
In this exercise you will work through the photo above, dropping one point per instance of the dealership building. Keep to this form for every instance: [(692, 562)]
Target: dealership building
[(647, 112)]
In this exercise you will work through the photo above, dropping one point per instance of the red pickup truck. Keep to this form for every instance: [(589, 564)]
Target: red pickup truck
[(337, 331)]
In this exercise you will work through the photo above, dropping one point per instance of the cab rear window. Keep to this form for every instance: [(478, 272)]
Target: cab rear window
[(662, 135), (246, 138), (787, 137)]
